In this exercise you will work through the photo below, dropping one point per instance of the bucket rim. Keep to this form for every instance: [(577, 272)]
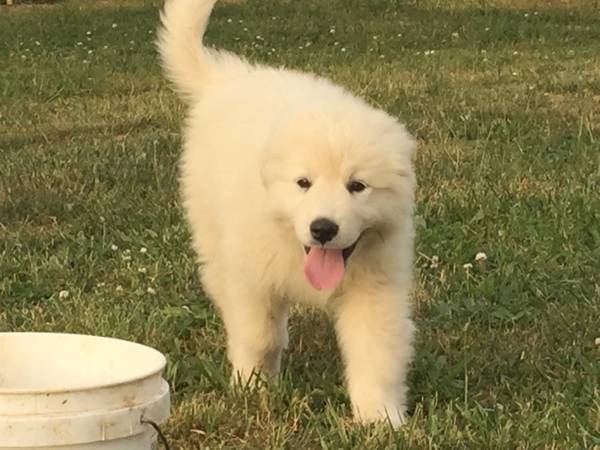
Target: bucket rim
[(157, 368)]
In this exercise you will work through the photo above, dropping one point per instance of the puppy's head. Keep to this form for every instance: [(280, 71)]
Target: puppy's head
[(333, 174)]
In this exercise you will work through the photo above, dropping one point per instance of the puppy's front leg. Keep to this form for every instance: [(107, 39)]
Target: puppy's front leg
[(256, 332), (375, 334)]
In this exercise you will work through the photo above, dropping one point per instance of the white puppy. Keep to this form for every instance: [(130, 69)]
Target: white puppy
[(295, 190)]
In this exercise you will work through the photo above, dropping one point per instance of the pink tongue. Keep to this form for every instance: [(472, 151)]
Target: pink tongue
[(324, 267)]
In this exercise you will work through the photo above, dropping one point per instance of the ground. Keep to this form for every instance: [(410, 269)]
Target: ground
[(504, 97)]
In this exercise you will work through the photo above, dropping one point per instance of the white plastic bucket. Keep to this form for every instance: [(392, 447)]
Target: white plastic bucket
[(68, 392)]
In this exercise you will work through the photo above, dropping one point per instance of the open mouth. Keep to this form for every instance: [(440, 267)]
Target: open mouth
[(324, 267), (346, 252)]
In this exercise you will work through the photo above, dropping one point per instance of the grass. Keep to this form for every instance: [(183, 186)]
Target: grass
[(504, 97)]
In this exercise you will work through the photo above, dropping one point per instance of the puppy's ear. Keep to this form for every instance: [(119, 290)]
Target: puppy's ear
[(407, 148), (267, 172), (264, 178), (411, 146), (407, 144), (269, 161)]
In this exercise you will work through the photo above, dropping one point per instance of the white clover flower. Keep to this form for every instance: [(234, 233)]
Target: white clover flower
[(455, 35), (151, 291), (37, 43), (597, 341), (229, 20), (487, 28), (143, 250), (119, 288), (332, 30), (343, 49), (467, 266), (90, 52), (514, 74), (63, 294), (114, 25), (336, 43), (480, 256), (88, 33), (142, 270), (80, 43), (101, 284)]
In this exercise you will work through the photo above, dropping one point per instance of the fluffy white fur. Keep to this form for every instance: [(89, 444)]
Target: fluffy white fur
[(251, 133)]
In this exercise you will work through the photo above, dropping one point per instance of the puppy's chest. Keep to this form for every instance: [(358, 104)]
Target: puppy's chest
[(298, 290), (283, 271)]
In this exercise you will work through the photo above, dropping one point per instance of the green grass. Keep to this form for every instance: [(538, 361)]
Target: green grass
[(505, 101)]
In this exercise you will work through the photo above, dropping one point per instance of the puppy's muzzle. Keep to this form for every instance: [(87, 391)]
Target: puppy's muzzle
[(323, 230)]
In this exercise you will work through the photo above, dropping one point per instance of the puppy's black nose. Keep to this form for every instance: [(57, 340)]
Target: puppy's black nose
[(323, 230)]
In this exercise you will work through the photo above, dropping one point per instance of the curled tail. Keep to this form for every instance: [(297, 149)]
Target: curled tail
[(187, 63)]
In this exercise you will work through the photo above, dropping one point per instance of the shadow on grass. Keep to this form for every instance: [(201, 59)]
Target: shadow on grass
[(14, 3), (404, 26), (118, 130)]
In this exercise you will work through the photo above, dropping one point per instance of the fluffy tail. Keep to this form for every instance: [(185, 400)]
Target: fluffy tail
[(185, 60)]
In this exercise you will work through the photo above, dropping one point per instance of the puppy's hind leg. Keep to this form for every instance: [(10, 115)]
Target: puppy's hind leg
[(375, 336)]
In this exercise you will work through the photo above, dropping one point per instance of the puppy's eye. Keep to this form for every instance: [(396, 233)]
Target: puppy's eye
[(304, 183), (355, 186)]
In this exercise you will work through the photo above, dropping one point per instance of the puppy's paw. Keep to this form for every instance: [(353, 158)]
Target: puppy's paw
[(256, 380), (392, 415)]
